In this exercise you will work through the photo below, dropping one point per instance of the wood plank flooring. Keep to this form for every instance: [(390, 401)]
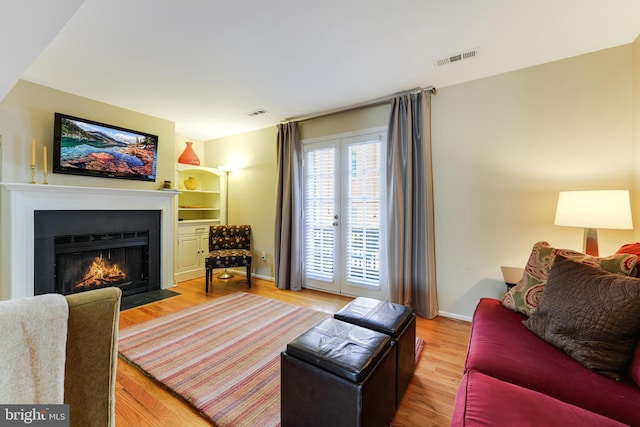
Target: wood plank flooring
[(428, 400)]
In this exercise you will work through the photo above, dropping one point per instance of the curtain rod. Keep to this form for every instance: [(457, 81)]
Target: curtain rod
[(372, 103)]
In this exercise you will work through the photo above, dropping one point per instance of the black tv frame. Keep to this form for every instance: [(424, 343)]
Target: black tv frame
[(57, 151)]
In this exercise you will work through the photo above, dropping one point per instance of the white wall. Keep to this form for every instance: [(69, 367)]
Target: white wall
[(503, 147), (635, 71), (252, 187), (27, 112)]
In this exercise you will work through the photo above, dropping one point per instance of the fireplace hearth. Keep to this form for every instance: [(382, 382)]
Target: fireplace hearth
[(76, 251)]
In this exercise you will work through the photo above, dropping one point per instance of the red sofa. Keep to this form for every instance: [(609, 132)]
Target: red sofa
[(513, 377)]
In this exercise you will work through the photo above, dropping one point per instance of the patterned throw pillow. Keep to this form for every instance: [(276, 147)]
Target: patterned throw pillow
[(591, 315), (631, 248), (525, 296)]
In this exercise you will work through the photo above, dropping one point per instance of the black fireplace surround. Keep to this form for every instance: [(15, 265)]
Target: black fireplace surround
[(66, 243)]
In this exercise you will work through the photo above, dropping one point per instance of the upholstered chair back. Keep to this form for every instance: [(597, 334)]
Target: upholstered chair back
[(223, 237)]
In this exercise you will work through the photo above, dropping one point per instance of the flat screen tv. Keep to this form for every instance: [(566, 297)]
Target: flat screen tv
[(85, 147)]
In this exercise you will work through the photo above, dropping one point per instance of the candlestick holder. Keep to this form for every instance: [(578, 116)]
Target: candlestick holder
[(44, 178), (33, 174)]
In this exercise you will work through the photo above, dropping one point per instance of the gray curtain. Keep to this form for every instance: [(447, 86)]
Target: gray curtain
[(411, 245), (288, 230)]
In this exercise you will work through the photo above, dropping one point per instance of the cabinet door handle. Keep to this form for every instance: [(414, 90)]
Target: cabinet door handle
[(200, 230)]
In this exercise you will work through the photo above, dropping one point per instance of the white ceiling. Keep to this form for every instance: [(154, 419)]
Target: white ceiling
[(204, 64)]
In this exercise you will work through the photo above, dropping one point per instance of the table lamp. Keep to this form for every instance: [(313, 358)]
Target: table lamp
[(592, 210)]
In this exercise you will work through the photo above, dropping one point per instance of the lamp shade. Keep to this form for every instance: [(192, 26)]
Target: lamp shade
[(608, 209)]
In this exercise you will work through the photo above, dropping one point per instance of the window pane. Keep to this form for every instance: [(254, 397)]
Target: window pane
[(319, 211), (363, 214)]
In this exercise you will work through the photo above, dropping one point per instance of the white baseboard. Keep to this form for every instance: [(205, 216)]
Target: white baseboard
[(243, 272), (454, 316)]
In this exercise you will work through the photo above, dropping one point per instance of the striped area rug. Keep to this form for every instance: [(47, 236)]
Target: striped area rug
[(223, 356)]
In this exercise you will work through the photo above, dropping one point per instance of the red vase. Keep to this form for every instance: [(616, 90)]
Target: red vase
[(189, 156)]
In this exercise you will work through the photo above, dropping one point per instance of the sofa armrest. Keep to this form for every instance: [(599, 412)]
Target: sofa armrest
[(92, 351)]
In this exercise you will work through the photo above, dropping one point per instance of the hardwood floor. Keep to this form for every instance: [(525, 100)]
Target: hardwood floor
[(428, 401)]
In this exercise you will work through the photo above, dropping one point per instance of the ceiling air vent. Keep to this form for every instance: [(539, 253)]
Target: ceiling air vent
[(455, 58), (256, 113)]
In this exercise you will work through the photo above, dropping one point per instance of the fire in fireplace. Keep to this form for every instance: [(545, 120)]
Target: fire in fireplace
[(101, 274), (77, 251), (85, 262)]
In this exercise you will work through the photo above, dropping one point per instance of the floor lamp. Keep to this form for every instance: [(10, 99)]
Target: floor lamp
[(226, 169), (592, 210)]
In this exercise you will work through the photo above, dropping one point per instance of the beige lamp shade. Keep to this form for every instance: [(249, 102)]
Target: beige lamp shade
[(594, 209), (609, 209)]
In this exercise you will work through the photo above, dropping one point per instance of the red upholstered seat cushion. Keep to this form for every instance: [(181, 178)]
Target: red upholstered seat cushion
[(485, 401), (502, 347)]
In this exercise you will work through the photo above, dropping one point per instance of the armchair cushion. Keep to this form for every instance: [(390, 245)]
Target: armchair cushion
[(229, 258), (92, 356)]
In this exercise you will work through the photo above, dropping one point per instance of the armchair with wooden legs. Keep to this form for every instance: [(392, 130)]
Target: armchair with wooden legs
[(229, 246)]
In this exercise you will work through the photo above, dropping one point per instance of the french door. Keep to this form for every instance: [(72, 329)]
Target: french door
[(344, 211)]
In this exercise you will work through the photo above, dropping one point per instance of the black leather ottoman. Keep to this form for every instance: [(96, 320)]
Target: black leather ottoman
[(338, 374), (395, 320)]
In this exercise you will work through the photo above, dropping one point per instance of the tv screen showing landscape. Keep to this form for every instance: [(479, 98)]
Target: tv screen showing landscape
[(85, 147)]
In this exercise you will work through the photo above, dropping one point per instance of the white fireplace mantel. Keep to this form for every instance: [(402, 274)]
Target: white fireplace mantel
[(20, 201)]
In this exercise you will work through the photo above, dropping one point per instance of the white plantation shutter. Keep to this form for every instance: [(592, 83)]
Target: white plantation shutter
[(344, 195), (362, 214), (320, 208)]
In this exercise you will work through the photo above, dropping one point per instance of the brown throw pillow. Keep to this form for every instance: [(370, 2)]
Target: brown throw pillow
[(591, 315), (525, 296)]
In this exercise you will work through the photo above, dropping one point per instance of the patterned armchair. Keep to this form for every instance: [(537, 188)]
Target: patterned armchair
[(229, 246)]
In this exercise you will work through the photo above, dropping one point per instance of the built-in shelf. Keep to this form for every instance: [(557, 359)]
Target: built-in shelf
[(197, 210), (205, 202)]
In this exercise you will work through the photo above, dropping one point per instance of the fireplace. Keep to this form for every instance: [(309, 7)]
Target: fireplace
[(93, 261), (76, 251), (21, 201)]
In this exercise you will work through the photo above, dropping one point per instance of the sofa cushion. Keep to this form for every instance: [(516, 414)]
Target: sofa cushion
[(591, 315), (525, 296), (483, 400), (634, 368), (502, 347)]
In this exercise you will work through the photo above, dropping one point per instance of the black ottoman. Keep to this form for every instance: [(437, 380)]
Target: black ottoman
[(338, 374), (395, 320)]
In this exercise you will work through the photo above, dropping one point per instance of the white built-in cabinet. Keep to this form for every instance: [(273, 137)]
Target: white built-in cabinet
[(197, 210)]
